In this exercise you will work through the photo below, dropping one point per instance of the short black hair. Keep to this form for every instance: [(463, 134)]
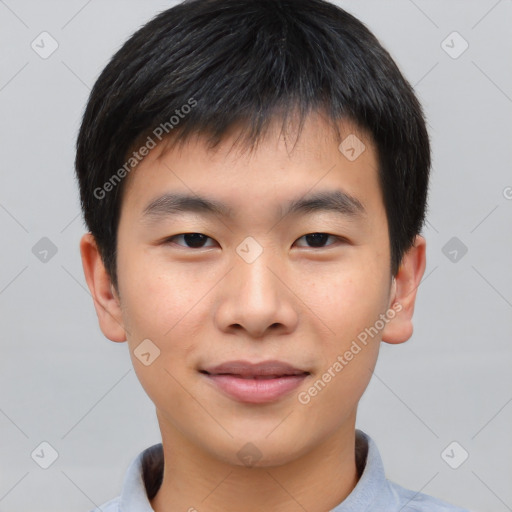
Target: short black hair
[(204, 67)]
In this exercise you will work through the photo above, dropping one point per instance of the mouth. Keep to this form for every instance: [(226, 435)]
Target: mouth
[(270, 369), (256, 383), (256, 376)]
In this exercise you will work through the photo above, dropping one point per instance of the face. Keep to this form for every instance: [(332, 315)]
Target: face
[(255, 280)]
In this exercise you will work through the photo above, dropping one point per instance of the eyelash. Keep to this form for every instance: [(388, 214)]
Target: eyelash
[(337, 238)]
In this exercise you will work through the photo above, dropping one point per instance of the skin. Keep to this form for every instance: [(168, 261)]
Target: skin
[(296, 302)]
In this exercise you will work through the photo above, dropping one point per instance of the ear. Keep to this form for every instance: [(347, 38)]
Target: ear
[(106, 303), (403, 293)]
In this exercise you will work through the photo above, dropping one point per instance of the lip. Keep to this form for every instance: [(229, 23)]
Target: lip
[(248, 369), (256, 383)]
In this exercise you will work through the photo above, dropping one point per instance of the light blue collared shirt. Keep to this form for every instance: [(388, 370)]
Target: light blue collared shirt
[(373, 492)]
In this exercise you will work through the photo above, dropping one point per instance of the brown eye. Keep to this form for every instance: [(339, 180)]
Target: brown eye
[(318, 240), (191, 240)]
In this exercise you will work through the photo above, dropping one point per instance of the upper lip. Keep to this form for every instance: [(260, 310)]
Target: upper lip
[(248, 369)]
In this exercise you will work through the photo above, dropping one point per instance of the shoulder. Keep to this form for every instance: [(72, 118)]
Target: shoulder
[(412, 501), (110, 506), (375, 492)]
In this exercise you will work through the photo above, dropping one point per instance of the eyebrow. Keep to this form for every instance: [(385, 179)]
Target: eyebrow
[(171, 204)]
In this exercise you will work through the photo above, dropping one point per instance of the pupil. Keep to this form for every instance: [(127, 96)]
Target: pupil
[(316, 239), (194, 239)]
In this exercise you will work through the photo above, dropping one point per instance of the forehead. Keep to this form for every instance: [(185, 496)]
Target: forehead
[(283, 166)]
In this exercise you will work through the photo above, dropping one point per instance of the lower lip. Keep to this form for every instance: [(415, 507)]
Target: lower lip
[(256, 391)]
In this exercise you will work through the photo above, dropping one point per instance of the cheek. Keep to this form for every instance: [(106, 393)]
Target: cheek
[(166, 304), (348, 301), (157, 295), (334, 395), (160, 307), (348, 351), (347, 296)]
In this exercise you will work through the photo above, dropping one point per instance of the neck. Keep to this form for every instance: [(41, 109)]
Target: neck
[(316, 481)]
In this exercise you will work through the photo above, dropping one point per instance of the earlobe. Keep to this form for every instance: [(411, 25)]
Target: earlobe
[(106, 303), (403, 293)]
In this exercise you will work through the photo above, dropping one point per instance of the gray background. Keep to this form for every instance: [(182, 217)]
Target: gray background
[(62, 382)]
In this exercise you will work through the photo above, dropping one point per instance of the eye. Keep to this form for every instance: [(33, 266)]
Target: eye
[(198, 240), (318, 240), (192, 240)]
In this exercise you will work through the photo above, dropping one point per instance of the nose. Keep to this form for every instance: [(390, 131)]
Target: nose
[(257, 299)]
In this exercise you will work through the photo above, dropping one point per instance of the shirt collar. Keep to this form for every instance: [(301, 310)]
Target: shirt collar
[(372, 491), (134, 496), (372, 487)]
